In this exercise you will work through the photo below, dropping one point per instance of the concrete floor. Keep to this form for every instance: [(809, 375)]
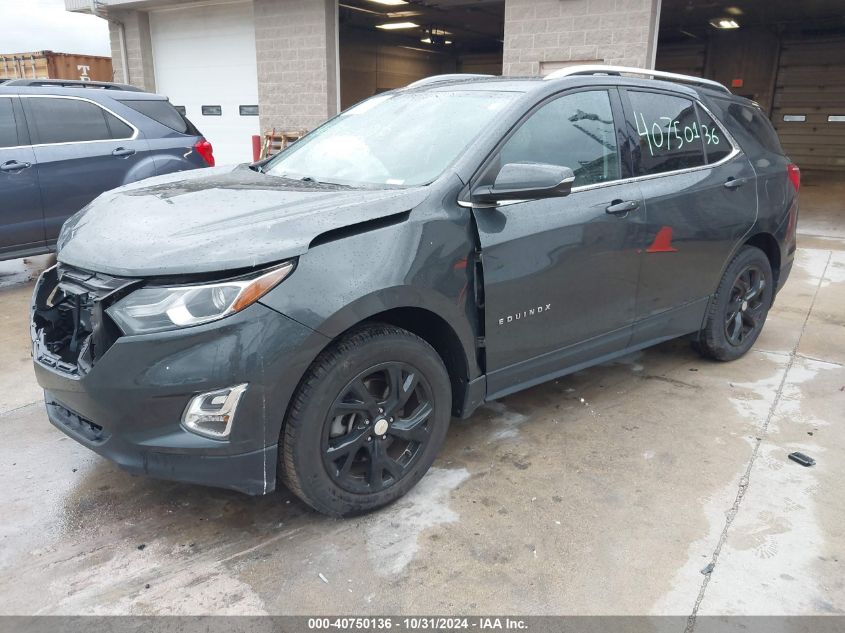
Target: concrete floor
[(607, 492)]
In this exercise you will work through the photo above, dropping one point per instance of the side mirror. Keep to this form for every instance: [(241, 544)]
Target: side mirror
[(527, 181)]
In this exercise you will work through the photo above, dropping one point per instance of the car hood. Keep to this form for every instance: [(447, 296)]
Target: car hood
[(216, 219)]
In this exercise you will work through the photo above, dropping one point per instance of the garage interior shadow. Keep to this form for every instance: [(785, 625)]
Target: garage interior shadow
[(451, 37)]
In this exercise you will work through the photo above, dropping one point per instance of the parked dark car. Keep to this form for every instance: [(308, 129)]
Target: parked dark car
[(318, 318), (63, 143)]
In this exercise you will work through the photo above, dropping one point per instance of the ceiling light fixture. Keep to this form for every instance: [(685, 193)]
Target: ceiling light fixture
[(390, 3), (724, 23), (392, 26)]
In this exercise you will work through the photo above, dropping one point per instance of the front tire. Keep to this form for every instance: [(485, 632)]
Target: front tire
[(366, 422), (739, 308)]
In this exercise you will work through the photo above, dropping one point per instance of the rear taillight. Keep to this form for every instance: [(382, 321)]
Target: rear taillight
[(795, 178), (205, 150), (794, 175)]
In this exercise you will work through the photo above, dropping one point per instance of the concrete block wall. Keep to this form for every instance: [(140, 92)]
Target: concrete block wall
[(139, 52), (543, 35), (295, 44)]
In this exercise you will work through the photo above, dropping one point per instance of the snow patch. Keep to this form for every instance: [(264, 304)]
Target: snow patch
[(506, 420), (393, 533)]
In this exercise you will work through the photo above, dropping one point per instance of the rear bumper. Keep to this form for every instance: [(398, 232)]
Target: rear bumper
[(785, 270)]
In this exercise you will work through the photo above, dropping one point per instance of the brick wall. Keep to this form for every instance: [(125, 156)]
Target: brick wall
[(138, 48), (542, 35), (297, 69)]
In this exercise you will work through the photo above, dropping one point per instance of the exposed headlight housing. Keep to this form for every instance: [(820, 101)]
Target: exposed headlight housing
[(160, 308)]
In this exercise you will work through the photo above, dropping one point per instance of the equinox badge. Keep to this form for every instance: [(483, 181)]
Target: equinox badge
[(525, 314)]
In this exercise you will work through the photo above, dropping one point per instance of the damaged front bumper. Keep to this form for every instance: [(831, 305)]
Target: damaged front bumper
[(123, 396)]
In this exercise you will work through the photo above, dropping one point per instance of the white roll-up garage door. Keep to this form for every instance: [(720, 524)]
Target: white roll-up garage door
[(204, 60)]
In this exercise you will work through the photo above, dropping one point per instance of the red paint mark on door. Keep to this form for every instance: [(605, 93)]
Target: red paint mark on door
[(662, 242)]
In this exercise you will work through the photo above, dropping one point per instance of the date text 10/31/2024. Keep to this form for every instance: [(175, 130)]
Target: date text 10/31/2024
[(659, 135)]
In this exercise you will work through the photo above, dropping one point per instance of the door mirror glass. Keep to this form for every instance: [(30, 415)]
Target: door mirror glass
[(527, 181)]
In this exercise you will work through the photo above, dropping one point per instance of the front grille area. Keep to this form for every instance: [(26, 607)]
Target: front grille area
[(70, 328)]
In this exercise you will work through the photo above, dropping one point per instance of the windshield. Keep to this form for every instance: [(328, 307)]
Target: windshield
[(396, 139)]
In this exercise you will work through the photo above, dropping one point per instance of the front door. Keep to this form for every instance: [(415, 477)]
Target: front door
[(560, 274)]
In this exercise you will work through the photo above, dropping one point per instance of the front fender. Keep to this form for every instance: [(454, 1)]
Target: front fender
[(420, 265)]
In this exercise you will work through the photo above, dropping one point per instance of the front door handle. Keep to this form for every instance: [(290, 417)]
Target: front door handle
[(123, 152), (623, 207), (735, 183), (13, 166)]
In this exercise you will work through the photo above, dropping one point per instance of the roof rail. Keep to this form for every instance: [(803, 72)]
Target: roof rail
[(601, 69), (71, 83), (434, 79)]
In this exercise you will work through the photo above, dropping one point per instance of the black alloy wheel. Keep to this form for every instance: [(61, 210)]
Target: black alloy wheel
[(377, 427), (738, 309), (366, 421), (746, 309)]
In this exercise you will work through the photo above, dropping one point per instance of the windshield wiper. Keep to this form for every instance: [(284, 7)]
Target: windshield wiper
[(313, 181)]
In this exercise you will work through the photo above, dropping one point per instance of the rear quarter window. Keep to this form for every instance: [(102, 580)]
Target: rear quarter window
[(163, 112), (754, 124)]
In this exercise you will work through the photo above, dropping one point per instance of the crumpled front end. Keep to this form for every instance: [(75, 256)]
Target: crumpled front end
[(125, 397), (70, 329)]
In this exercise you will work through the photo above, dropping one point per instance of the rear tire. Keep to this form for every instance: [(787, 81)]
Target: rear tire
[(738, 310), (366, 422)]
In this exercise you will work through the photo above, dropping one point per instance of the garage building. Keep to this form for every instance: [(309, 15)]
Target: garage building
[(242, 67)]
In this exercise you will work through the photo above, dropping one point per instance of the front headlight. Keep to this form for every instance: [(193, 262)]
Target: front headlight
[(154, 309)]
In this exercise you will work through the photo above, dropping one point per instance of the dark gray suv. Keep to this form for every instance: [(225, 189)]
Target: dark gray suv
[(317, 319), (63, 143)]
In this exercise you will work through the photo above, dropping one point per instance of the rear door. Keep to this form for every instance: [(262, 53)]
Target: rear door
[(82, 150), (21, 222), (700, 200), (560, 274)]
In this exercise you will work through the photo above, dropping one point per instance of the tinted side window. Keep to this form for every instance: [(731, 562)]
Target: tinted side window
[(160, 111), (71, 121), (117, 128), (670, 136), (8, 129), (715, 143), (574, 131), (755, 123)]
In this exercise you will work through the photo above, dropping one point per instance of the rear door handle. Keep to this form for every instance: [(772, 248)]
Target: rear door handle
[(123, 151), (621, 207), (13, 165), (735, 183)]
